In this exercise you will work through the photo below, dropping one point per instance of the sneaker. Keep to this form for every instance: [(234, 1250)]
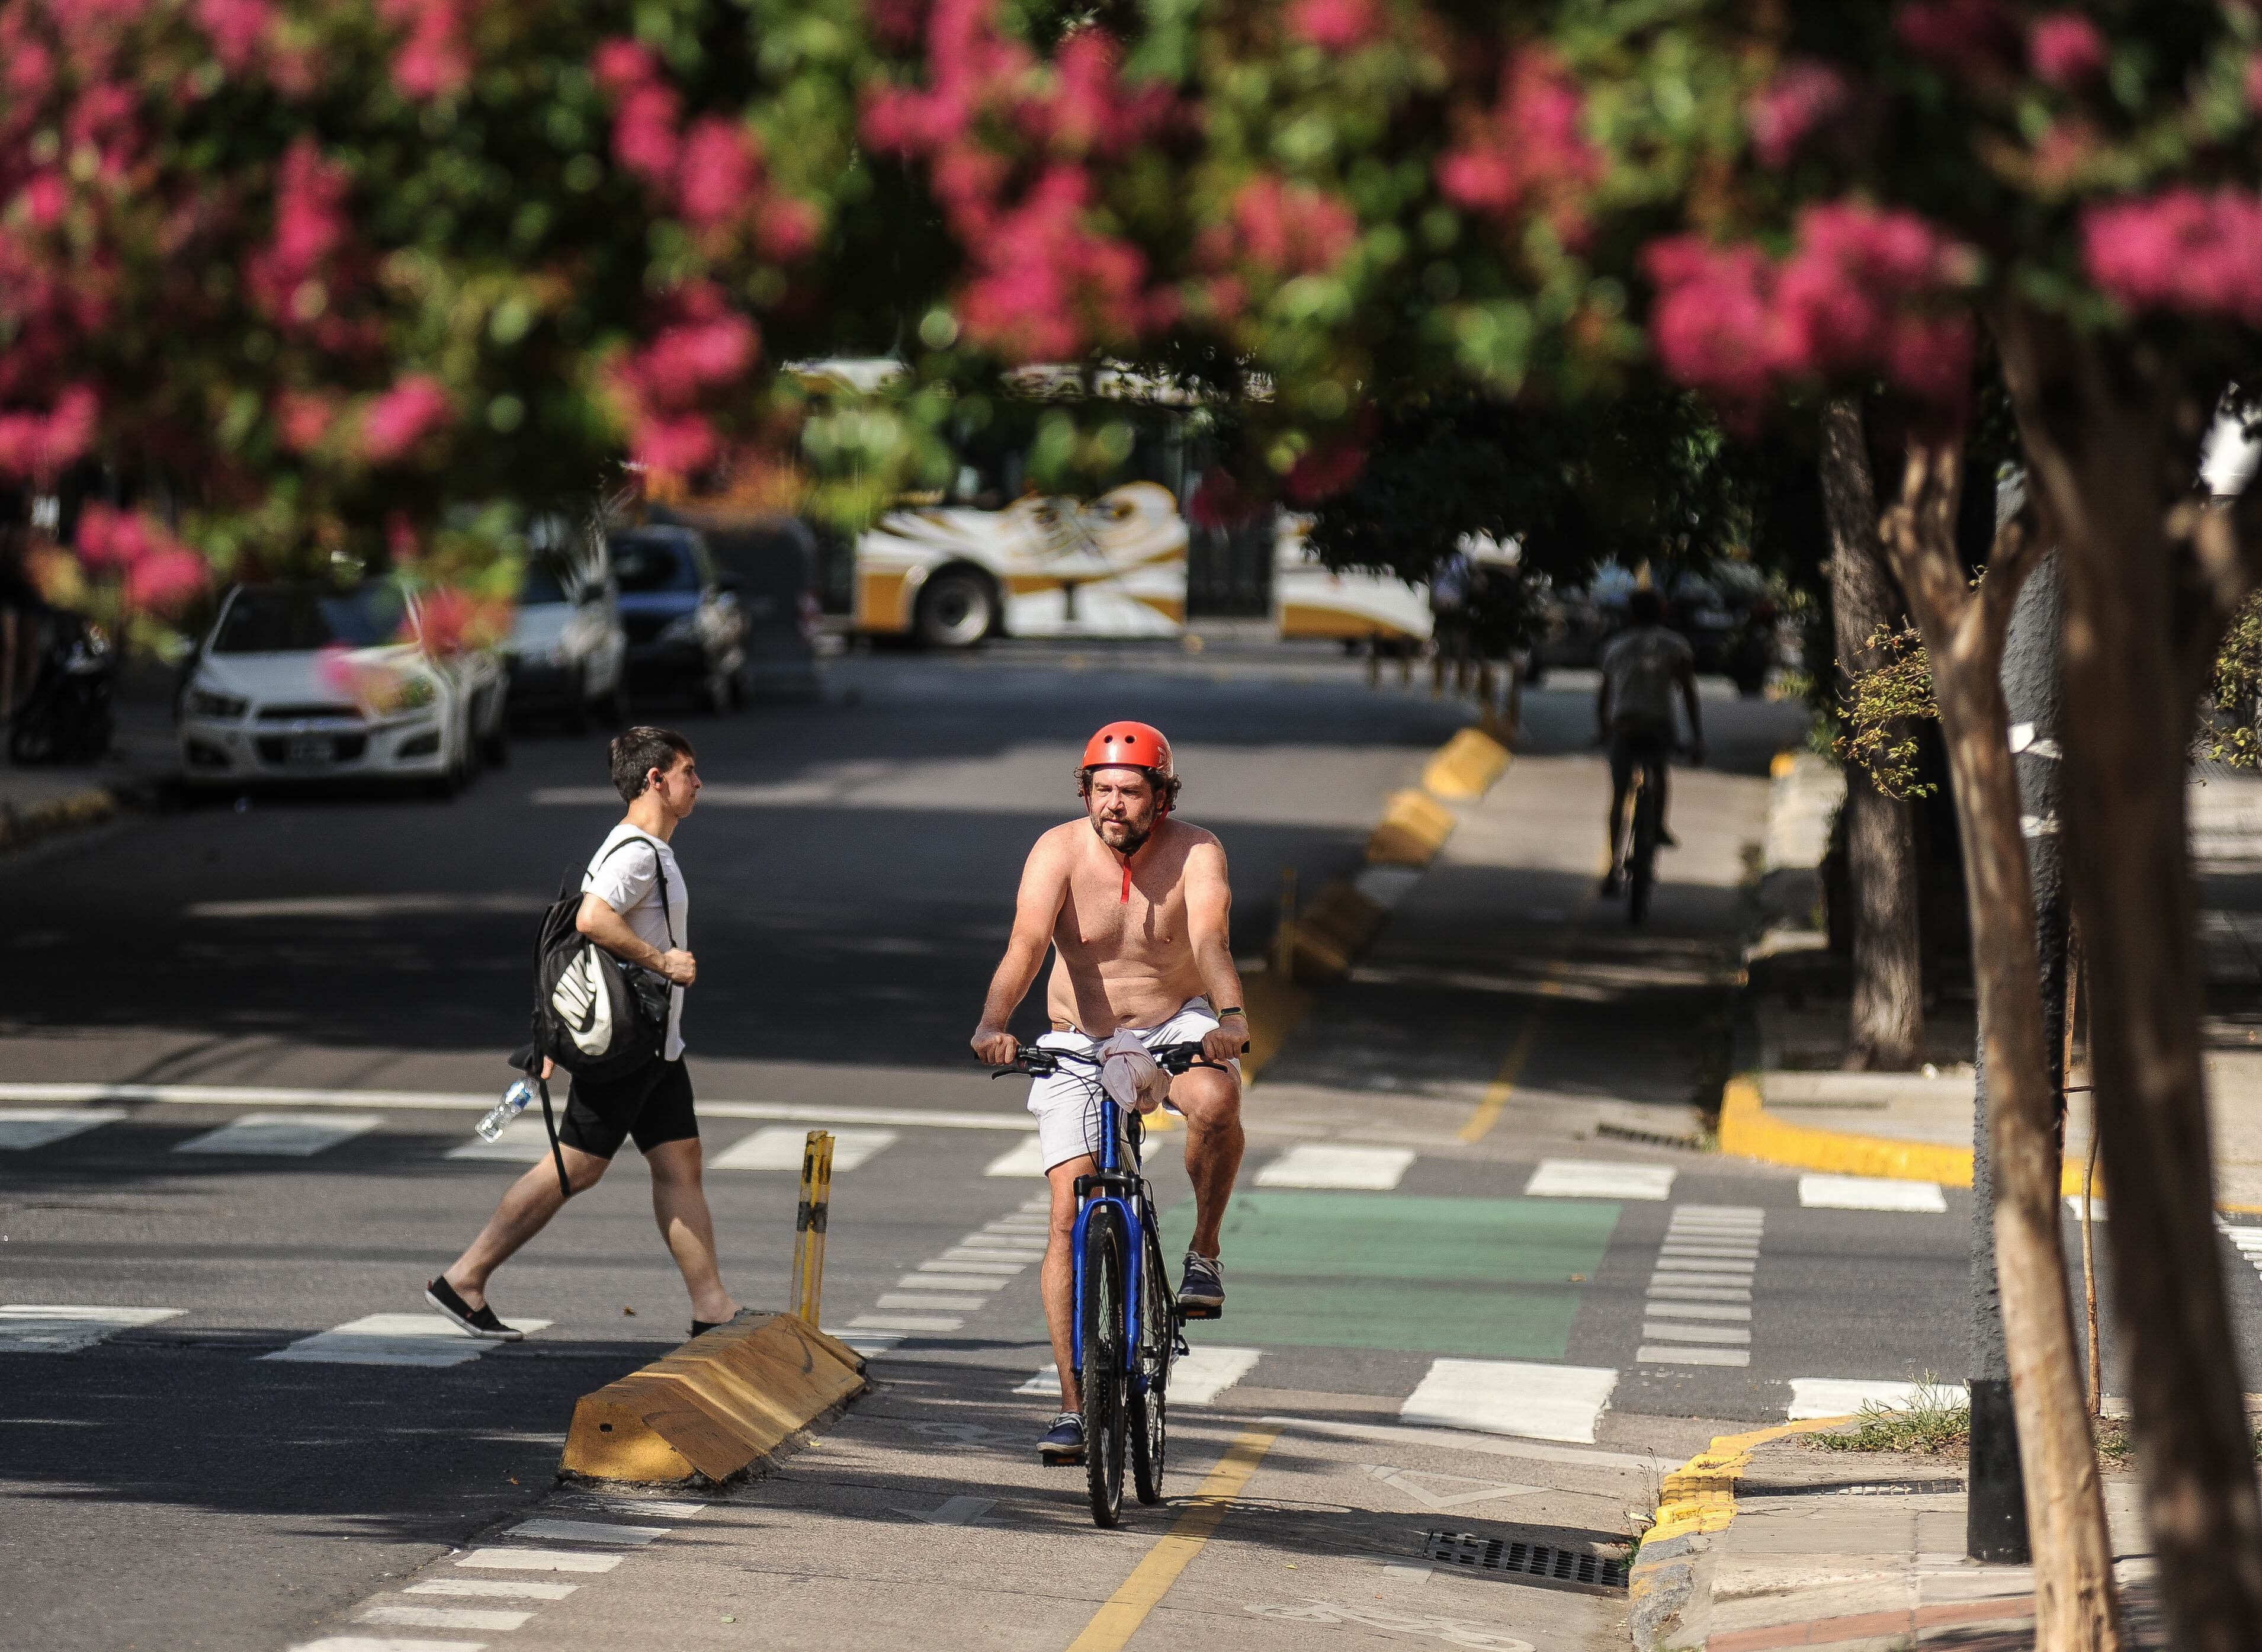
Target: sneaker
[(480, 1320), (1201, 1290), (701, 1327), (1063, 1447)]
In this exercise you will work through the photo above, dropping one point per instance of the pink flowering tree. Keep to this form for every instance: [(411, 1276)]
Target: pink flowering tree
[(287, 286)]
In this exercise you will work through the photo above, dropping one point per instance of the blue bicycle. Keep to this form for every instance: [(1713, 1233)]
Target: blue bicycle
[(1126, 1326)]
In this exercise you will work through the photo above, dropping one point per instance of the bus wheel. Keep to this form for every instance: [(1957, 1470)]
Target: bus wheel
[(956, 610)]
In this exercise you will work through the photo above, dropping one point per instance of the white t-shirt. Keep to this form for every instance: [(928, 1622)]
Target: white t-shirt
[(629, 882), (1643, 666)]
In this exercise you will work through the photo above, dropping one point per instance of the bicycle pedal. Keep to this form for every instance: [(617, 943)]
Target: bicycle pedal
[(1182, 1352), (1201, 1312)]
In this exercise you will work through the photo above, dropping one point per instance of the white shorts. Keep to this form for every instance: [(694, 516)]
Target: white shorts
[(1067, 1104)]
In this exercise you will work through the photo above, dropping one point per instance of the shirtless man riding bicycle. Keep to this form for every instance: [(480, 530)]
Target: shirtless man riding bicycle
[(1135, 907)]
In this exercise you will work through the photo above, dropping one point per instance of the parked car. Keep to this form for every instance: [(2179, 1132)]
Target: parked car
[(304, 681), (686, 632), (567, 654), (775, 563), (1726, 613)]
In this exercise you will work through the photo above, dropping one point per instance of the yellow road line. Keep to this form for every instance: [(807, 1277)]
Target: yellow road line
[(1117, 1622), (1503, 1082)]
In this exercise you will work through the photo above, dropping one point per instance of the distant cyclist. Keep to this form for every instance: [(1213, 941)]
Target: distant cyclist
[(1641, 668), (1135, 904)]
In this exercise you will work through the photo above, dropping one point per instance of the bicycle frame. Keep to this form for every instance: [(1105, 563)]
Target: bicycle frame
[(1126, 1191)]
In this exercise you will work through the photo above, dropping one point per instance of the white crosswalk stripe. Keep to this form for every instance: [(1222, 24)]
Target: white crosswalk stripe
[(522, 1141), (282, 1134), (1023, 1158), (67, 1327), (1512, 1396), (1598, 1178), (490, 1588), (1697, 1310), (24, 1128), (780, 1147), (394, 1339), (586, 1532), (1812, 1397), (1196, 1378), (384, 1643), (539, 1560), (1334, 1164), (418, 1617), (1869, 1193)]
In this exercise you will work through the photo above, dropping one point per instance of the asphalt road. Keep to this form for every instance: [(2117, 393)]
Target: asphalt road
[(174, 1483)]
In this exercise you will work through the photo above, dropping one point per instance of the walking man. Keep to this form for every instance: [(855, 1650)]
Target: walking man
[(621, 911), (1641, 668), (1135, 905)]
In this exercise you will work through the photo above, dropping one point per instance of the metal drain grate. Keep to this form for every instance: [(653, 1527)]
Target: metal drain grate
[(1528, 1559)]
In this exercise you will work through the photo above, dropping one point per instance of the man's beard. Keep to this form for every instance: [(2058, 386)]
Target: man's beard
[(1134, 837)]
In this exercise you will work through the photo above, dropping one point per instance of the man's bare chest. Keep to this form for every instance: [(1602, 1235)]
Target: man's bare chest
[(1099, 917)]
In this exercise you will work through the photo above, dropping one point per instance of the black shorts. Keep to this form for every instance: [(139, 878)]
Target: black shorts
[(653, 1105), (1634, 742)]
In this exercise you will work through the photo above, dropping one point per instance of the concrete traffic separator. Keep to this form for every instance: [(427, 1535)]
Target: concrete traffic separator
[(742, 1394), (1465, 769), (1332, 931), (1276, 1008), (1413, 827)]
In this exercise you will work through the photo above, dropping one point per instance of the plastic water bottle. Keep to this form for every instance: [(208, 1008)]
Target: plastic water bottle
[(513, 1103)]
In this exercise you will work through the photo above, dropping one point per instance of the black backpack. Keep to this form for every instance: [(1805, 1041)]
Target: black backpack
[(599, 1017)]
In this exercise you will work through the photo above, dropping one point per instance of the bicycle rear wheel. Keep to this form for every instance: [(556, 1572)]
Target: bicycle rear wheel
[(1158, 1340), (1641, 865), (1106, 1364)]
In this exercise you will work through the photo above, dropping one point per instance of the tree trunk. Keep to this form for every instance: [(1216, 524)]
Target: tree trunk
[(1886, 1030), (1964, 629), (2099, 443)]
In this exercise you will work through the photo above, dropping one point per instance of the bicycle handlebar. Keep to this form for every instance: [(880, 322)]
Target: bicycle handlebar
[(1039, 1062)]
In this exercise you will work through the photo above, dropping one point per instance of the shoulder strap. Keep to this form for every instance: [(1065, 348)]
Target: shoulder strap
[(659, 867)]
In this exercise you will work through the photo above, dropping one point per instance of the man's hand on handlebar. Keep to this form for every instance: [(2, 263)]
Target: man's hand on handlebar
[(1223, 1043), (996, 1046)]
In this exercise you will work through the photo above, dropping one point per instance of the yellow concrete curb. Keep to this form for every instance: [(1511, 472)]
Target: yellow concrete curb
[(1331, 932), (717, 1405), (1275, 1009), (79, 808), (1466, 767), (1700, 1496), (1748, 1130), (1413, 827)]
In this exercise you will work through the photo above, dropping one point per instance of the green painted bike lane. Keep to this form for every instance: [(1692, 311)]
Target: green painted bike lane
[(1487, 1278)]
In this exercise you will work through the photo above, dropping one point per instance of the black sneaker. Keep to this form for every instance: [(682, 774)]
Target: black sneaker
[(480, 1320), (1201, 1290), (1063, 1447), (701, 1327)]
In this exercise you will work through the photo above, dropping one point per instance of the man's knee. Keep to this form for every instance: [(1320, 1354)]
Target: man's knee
[(583, 1171), (1210, 1100), (678, 1163)]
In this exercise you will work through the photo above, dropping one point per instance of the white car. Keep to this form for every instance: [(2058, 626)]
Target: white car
[(567, 652), (315, 681)]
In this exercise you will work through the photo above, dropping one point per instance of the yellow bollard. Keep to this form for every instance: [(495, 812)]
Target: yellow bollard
[(808, 1227)]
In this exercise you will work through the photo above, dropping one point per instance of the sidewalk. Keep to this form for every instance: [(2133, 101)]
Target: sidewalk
[(38, 803), (1795, 1109), (1865, 1552)]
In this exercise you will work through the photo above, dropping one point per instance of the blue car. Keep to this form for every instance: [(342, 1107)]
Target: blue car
[(686, 632)]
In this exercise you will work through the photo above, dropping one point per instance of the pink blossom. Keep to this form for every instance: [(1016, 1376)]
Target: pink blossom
[(1802, 100), (46, 197), (678, 445), (1050, 287), (620, 66), (1335, 26), (433, 59), (1289, 228), (683, 363), (166, 580), (645, 140), (31, 70), (415, 407), (1324, 470), (722, 170), (451, 619), (787, 229), (310, 229), (1967, 38), (2254, 81), (238, 29), (304, 419), (1710, 322), (35, 444), (1221, 501), (2182, 251), (109, 538), (2066, 49), (1526, 154)]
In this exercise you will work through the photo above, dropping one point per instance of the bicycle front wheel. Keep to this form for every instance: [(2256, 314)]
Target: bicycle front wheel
[(1107, 1363), (1158, 1337)]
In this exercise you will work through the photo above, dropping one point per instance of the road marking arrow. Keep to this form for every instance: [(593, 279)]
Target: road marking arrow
[(1408, 1480), (952, 1512)]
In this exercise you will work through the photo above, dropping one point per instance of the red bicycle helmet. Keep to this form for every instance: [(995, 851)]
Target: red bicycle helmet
[(1130, 746)]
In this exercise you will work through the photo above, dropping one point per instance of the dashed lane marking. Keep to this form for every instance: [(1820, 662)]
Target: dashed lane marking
[(384, 1643), (67, 1327), (1196, 1379), (953, 1282), (1814, 1397), (1596, 1178), (416, 1617), (282, 1134), (918, 1301), (22, 1128), (393, 1340), (780, 1147), (539, 1560), (933, 1324), (1329, 1165), (1512, 1396), (1025, 1158), (1698, 1310), (972, 1266), (586, 1532), (490, 1588), (1869, 1193)]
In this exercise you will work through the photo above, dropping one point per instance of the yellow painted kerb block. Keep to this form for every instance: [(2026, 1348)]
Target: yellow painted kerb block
[(1466, 766), (1412, 829), (715, 1406)]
